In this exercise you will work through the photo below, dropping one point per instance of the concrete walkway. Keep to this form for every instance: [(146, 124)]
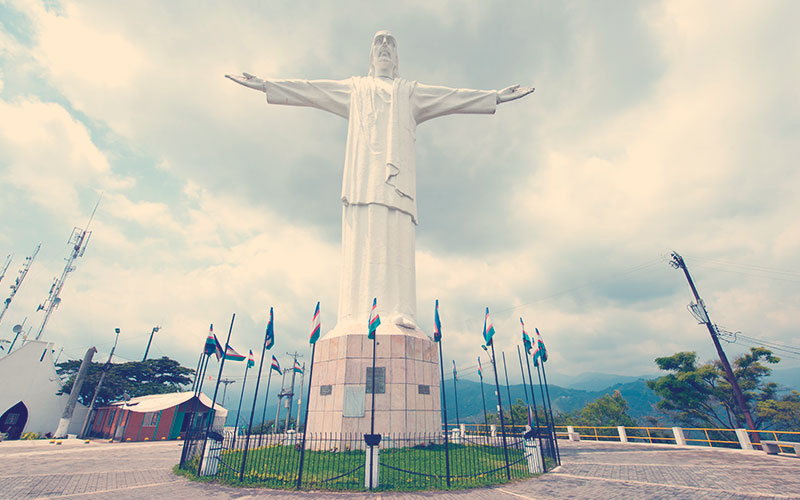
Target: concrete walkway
[(607, 471)]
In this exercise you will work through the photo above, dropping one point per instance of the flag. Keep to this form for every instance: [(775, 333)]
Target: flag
[(530, 417), (275, 365), (297, 368), (315, 327), (374, 319), (232, 355), (269, 340), (525, 339), (437, 324), (218, 348), (541, 352), (488, 329), (211, 345), (251, 360), (455, 373), (480, 368)]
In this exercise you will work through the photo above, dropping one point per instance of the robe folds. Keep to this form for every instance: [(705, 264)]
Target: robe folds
[(379, 183)]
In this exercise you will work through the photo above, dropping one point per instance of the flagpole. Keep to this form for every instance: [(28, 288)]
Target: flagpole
[(199, 376), (239, 409), (266, 400), (552, 422), (197, 370), (500, 411), (533, 399), (508, 391), (483, 397), (255, 397), (214, 399), (308, 405), (522, 371), (455, 390), (372, 410), (444, 409)]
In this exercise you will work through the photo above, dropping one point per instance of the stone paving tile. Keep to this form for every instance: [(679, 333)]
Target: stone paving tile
[(590, 470)]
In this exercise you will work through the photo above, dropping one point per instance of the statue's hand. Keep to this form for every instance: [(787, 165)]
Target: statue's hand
[(513, 92), (248, 80)]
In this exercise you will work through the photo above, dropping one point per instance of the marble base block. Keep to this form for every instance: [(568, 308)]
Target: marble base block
[(409, 403)]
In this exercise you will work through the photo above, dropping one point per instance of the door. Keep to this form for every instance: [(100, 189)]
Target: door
[(13, 421)]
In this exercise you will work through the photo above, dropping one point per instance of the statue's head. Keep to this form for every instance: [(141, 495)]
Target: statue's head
[(383, 55)]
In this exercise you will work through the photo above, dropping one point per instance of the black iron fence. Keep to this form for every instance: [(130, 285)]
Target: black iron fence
[(337, 461)]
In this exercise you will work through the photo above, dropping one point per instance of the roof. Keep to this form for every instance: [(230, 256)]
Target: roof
[(158, 402)]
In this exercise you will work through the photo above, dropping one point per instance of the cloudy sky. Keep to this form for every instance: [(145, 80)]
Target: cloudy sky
[(655, 126)]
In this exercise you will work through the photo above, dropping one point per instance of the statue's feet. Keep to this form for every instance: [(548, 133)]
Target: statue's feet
[(404, 322)]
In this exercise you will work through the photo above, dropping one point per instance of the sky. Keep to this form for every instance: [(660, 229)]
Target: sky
[(655, 127)]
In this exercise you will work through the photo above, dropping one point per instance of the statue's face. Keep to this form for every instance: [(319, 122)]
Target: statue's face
[(384, 52)]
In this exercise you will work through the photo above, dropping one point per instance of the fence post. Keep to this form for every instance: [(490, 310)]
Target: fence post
[(573, 436), (494, 430), (371, 464), (744, 439), (463, 428), (623, 436), (534, 455), (680, 440)]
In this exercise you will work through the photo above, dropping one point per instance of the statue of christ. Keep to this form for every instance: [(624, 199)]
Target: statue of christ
[(379, 185)]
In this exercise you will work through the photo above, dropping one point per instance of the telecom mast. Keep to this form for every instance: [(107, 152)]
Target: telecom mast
[(78, 239), (18, 282), (5, 267)]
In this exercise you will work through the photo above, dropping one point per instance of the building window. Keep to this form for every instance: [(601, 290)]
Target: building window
[(380, 380), (423, 389), (325, 390), (150, 419)]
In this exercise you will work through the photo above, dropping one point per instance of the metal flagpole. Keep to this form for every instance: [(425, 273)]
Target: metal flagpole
[(508, 391), (266, 399), (522, 372), (437, 337), (316, 326), (214, 399), (552, 422), (483, 397), (255, 396), (455, 391), (500, 411), (241, 397), (535, 412)]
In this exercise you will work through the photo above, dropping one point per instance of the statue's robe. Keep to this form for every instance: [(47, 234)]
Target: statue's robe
[(379, 184)]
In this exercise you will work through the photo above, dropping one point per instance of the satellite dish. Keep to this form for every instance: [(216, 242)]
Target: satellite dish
[(17, 328)]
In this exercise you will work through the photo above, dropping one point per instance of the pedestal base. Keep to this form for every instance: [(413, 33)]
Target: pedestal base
[(406, 400)]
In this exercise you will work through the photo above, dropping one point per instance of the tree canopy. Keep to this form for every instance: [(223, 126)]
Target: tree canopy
[(134, 378), (700, 394)]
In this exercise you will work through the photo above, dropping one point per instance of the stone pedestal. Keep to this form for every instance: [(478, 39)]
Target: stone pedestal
[(407, 402)]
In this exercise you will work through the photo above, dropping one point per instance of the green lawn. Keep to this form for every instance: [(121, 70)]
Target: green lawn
[(403, 468)]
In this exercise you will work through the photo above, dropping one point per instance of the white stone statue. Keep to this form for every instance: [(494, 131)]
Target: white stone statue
[(379, 185)]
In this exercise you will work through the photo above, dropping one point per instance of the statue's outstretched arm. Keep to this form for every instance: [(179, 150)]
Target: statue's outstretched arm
[(250, 81), (511, 93)]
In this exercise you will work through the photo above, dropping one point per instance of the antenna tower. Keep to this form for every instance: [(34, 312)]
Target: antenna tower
[(78, 239), (5, 267), (18, 282)]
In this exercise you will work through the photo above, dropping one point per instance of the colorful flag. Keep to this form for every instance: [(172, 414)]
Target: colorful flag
[(480, 368), (437, 324), (315, 327), (541, 351), (232, 355), (374, 319), (530, 417), (488, 329), (526, 340), (275, 365), (297, 368), (270, 338), (218, 351), (455, 373), (251, 360), (211, 345)]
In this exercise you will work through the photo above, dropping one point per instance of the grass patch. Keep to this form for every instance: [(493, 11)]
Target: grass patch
[(421, 467)]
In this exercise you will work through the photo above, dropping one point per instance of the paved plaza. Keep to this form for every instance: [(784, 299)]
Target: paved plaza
[(75, 470)]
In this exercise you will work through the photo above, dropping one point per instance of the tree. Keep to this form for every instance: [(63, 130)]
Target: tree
[(700, 395), (135, 378), (609, 410), (783, 414)]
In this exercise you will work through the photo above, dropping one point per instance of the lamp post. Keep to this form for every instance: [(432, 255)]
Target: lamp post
[(106, 368), (155, 329)]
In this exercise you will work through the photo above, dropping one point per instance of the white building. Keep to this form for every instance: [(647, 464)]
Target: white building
[(29, 387)]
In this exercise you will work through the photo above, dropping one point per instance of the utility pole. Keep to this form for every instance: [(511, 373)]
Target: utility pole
[(678, 263), (18, 282), (290, 394), (69, 409), (106, 368), (300, 399), (155, 329), (225, 381)]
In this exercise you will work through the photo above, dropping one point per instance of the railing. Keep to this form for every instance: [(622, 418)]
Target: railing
[(694, 436)]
